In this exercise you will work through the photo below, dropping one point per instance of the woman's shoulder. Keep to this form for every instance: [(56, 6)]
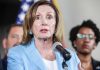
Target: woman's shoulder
[(16, 50), (20, 49)]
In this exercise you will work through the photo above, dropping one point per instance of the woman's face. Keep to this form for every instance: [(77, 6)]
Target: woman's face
[(44, 24), (86, 43)]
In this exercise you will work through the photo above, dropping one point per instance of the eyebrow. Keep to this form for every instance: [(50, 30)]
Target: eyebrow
[(38, 13), (47, 12)]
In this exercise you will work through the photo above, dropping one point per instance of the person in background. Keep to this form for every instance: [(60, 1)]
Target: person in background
[(84, 39), (12, 37), (42, 27), (1, 68)]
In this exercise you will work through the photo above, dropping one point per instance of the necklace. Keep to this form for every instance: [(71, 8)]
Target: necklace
[(87, 66)]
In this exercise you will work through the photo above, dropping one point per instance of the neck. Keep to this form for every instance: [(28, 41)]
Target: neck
[(43, 43), (85, 61), (44, 47), (84, 58)]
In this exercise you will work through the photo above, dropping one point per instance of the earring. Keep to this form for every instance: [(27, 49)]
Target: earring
[(74, 45), (30, 32)]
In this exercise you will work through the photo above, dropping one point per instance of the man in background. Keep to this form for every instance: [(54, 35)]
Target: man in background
[(13, 36), (84, 39), (1, 64)]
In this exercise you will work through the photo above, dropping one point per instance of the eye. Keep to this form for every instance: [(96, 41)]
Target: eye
[(15, 36), (37, 17), (79, 36), (49, 16), (91, 36)]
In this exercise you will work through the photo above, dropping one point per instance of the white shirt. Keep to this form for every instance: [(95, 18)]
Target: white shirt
[(50, 65)]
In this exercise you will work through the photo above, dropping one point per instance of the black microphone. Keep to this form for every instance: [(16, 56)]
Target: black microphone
[(58, 46)]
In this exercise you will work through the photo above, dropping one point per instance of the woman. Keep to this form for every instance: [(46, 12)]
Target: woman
[(42, 27)]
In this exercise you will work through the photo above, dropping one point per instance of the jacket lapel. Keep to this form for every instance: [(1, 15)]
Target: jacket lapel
[(34, 56), (59, 60)]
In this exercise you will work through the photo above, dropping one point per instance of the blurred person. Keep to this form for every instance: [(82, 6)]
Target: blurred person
[(1, 68), (12, 37), (84, 39), (42, 27)]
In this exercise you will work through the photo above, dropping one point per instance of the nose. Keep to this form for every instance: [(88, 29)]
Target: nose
[(44, 22), (86, 39)]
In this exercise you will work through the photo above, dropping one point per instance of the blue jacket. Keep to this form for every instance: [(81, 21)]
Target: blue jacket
[(27, 57)]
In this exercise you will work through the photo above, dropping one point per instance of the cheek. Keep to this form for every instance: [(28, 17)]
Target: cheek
[(36, 30), (11, 43), (52, 28), (79, 43), (93, 43)]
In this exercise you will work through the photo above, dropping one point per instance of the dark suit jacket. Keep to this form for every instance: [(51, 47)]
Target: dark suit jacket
[(1, 68), (4, 63), (96, 64)]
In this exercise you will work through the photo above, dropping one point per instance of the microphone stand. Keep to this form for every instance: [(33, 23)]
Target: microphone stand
[(64, 65)]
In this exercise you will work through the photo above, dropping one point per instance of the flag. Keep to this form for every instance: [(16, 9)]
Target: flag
[(25, 4)]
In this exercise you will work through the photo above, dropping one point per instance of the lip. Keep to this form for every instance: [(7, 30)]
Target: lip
[(85, 46), (44, 30)]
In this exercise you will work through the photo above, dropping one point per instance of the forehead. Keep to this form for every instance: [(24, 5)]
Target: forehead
[(16, 29), (86, 30), (45, 8)]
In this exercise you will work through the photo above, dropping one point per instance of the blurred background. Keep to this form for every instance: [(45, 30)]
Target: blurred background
[(8, 13), (73, 11)]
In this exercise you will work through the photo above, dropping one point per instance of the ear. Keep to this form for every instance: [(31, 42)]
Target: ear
[(94, 46), (74, 43), (4, 43)]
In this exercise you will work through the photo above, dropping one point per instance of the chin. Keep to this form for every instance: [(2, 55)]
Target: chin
[(45, 37)]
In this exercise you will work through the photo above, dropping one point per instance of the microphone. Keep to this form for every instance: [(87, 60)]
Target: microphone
[(58, 46)]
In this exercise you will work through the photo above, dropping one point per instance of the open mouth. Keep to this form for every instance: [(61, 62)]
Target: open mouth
[(44, 30)]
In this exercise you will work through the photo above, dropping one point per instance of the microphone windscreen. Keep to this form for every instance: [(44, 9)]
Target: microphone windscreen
[(55, 45)]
